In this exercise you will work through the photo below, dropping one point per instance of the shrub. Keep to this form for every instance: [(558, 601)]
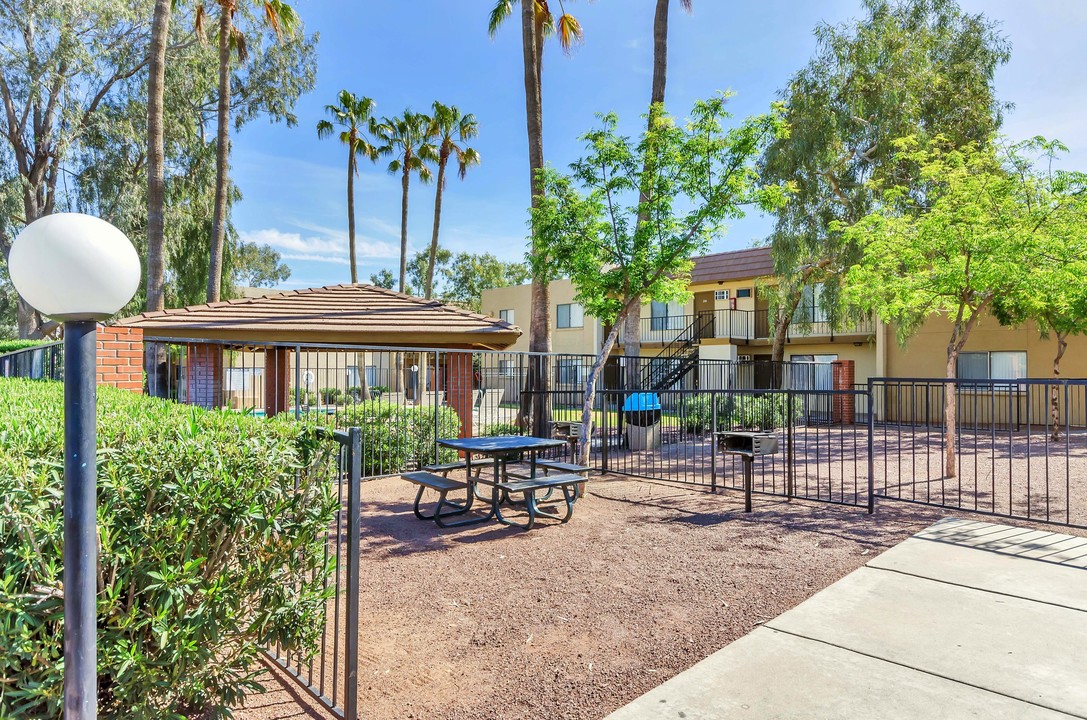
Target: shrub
[(501, 428), (331, 395), (7, 346), (212, 528), (396, 438), (744, 411)]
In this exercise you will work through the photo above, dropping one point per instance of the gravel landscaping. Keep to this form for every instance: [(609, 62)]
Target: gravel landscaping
[(575, 620)]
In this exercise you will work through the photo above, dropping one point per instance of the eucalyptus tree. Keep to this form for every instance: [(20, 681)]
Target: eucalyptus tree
[(537, 23), (689, 178), (57, 65), (451, 129), (356, 116), (407, 138), (281, 18), (632, 331), (156, 233), (909, 67)]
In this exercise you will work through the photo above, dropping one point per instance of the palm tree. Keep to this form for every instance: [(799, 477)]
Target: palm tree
[(537, 23), (356, 116), (448, 127), (407, 138), (282, 19), (632, 328)]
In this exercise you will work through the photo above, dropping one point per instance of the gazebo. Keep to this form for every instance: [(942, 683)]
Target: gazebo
[(285, 324)]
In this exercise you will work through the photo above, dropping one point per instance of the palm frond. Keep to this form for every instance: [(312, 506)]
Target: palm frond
[(324, 128), (237, 41), (394, 166), (687, 5), (466, 158), (201, 20), (569, 31), (499, 13)]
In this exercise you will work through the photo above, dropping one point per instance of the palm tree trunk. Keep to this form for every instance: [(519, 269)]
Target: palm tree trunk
[(154, 355), (405, 179), (222, 157), (540, 324), (434, 237), (351, 213), (632, 330)]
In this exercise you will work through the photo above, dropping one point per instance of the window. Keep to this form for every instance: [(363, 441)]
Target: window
[(810, 309), (570, 315), (568, 371), (720, 294), (506, 367), (666, 316), (506, 316), (743, 293), (997, 365)]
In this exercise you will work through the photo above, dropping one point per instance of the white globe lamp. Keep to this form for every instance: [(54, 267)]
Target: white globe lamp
[(77, 269)]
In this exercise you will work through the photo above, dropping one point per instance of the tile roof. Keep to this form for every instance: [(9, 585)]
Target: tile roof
[(733, 265), (357, 314)]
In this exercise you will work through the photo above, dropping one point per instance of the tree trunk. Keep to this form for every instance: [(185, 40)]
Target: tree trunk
[(351, 160), (360, 367), (437, 222), (154, 355), (950, 411), (540, 326), (632, 330), (781, 334), (1054, 392), (584, 446), (404, 182), (222, 157)]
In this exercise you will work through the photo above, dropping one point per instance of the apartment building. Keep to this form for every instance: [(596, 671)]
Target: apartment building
[(728, 318)]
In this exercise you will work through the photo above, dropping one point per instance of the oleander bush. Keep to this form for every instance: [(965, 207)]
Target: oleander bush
[(331, 395), (740, 412), (212, 527), (7, 346), (501, 428), (396, 438)]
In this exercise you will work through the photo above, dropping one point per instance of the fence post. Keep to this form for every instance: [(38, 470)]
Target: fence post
[(790, 465), (297, 382), (603, 432), (871, 448), (354, 517), (713, 442)]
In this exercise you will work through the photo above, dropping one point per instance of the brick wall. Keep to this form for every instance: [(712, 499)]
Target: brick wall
[(204, 368), (120, 357), (845, 406)]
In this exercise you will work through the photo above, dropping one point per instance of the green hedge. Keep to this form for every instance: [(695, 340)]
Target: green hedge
[(7, 346), (739, 412), (395, 437), (212, 528)]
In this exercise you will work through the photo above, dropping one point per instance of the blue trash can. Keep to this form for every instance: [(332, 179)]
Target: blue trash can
[(642, 415)]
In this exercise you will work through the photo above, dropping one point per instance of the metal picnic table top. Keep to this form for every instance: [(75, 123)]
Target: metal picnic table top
[(501, 444)]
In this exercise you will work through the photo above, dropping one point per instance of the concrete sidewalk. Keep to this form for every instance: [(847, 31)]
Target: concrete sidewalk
[(963, 620)]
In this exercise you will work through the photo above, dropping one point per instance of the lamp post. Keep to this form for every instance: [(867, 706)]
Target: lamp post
[(77, 269)]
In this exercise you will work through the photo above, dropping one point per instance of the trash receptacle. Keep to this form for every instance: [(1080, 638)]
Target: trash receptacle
[(642, 415)]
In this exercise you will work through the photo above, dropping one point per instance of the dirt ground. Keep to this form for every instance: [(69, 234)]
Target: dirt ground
[(575, 620)]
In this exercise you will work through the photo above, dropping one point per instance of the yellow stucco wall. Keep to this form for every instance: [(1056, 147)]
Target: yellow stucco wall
[(579, 340)]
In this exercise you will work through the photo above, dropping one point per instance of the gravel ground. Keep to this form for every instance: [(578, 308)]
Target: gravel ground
[(575, 620)]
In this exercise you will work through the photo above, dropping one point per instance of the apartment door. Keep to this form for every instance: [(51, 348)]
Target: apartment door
[(815, 374)]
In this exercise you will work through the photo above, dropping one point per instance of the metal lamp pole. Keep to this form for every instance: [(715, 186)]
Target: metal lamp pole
[(77, 269)]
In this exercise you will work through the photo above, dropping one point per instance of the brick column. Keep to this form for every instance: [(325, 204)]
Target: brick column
[(204, 373), (845, 406), (120, 357), (459, 389), (277, 371)]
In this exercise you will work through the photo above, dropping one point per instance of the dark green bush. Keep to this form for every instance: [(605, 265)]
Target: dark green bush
[(331, 395), (746, 411), (395, 437), (501, 428), (7, 346), (212, 530)]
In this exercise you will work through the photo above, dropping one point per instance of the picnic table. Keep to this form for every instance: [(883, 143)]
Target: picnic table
[(501, 450)]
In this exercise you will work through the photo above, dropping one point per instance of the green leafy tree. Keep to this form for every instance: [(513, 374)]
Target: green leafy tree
[(356, 116), (949, 244), (537, 24), (407, 138), (452, 130), (909, 67), (1057, 300), (258, 266), (469, 274), (632, 331), (685, 179), (383, 278), (281, 18)]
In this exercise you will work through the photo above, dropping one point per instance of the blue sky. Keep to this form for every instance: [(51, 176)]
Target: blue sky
[(409, 53)]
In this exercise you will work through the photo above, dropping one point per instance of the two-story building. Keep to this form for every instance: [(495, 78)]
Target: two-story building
[(728, 318)]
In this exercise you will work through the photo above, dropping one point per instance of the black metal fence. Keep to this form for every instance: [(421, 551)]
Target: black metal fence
[(41, 362), (330, 672)]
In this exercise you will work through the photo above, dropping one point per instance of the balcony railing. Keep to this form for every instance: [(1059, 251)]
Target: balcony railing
[(740, 326)]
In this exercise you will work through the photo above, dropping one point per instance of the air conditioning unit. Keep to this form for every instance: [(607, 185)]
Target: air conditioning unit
[(745, 358)]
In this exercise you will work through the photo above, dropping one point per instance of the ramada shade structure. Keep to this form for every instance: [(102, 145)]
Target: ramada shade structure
[(337, 314)]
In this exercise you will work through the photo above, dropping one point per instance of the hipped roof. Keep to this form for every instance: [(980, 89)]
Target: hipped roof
[(355, 314)]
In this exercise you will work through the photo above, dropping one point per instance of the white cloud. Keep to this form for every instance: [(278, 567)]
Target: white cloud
[(330, 246)]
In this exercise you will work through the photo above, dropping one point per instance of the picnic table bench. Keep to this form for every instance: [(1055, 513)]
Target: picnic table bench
[(443, 485)]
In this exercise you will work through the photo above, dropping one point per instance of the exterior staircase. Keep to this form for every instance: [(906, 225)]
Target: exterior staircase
[(677, 358)]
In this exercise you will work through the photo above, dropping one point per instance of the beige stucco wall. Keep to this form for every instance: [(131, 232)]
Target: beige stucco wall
[(583, 340)]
